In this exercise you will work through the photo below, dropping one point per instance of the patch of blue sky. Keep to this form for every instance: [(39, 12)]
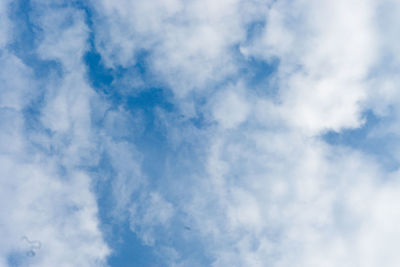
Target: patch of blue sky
[(156, 152), (257, 74), (19, 258), (127, 249), (151, 141), (364, 139)]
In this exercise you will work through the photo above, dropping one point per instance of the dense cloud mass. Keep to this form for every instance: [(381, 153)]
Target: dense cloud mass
[(199, 133)]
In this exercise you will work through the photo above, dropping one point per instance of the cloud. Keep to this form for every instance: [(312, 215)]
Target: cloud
[(189, 50), (217, 168), (230, 109), (46, 136), (326, 51)]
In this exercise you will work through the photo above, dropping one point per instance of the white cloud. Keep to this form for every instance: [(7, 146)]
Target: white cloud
[(59, 212), (191, 43), (230, 108), (266, 190), (326, 50), (18, 77), (288, 200), (64, 34), (46, 198)]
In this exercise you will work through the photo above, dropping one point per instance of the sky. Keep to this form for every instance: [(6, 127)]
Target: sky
[(191, 133)]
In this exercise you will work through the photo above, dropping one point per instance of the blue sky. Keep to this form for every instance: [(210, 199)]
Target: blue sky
[(199, 133)]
